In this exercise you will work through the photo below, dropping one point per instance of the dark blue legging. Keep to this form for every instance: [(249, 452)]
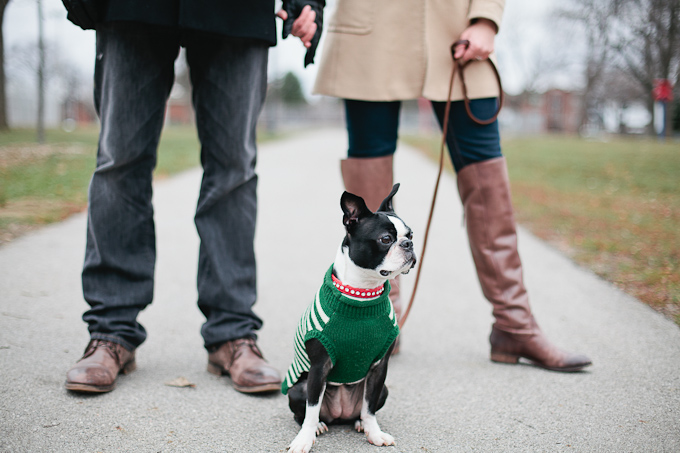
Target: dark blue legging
[(372, 128)]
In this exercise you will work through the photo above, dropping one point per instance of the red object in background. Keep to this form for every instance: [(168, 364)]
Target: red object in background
[(663, 90)]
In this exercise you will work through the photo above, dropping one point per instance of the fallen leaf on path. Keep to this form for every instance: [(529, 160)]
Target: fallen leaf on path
[(180, 382)]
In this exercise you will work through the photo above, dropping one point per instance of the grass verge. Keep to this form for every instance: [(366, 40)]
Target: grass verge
[(613, 207), (41, 184)]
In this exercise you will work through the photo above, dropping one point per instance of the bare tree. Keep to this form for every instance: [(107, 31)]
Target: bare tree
[(617, 85), (39, 70), (630, 41), (535, 64), (64, 81), (3, 98), (594, 22), (40, 126), (649, 44)]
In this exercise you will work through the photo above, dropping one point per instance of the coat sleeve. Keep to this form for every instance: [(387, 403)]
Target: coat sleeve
[(487, 9)]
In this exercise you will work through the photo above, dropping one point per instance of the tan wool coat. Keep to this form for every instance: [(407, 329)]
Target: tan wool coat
[(388, 50)]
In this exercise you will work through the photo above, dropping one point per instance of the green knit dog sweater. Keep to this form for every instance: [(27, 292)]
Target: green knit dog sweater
[(356, 333)]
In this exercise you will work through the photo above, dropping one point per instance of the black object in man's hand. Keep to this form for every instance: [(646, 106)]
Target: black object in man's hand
[(293, 8), (83, 13)]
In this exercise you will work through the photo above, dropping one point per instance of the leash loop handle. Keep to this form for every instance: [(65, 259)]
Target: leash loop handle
[(461, 73)]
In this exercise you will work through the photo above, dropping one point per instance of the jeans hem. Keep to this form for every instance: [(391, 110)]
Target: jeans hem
[(215, 346), (114, 339)]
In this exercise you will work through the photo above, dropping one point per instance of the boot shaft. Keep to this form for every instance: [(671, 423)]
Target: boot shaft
[(484, 189)]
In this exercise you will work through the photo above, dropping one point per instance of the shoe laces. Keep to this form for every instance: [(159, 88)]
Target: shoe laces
[(239, 348), (110, 347)]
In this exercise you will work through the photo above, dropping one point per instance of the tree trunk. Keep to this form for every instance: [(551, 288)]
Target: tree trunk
[(3, 98), (650, 129), (41, 78)]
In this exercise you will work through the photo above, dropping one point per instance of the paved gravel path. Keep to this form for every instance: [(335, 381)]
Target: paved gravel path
[(445, 394)]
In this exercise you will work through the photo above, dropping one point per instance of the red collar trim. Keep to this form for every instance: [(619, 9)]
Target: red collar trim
[(356, 292)]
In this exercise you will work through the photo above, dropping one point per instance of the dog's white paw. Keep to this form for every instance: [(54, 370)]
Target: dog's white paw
[(303, 442), (373, 432), (380, 438)]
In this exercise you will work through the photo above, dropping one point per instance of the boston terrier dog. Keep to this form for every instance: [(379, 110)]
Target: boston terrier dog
[(345, 337)]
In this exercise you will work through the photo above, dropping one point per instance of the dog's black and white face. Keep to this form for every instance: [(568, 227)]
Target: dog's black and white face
[(377, 246)]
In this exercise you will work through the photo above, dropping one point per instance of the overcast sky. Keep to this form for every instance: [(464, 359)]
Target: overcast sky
[(525, 25)]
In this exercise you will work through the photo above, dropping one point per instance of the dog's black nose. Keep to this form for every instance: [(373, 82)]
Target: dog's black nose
[(407, 244)]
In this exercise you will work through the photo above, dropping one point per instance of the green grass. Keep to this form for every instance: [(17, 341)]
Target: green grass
[(612, 206), (41, 184)]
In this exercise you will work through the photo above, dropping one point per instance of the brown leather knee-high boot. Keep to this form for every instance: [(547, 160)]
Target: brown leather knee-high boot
[(371, 179), (484, 189)]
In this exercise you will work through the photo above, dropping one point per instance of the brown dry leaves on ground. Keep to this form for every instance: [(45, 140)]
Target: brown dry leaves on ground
[(29, 214), (19, 216), (616, 246), (17, 155), (181, 382)]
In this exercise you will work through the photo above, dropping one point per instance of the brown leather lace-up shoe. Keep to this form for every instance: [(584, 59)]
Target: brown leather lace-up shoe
[(99, 367), (242, 360)]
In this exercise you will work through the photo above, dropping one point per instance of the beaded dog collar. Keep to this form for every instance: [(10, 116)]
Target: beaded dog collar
[(356, 292)]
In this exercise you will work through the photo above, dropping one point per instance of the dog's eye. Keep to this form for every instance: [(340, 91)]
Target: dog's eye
[(386, 239), (409, 235)]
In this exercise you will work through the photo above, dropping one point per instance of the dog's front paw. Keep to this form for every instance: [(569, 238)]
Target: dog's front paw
[(303, 442), (373, 432), (379, 438)]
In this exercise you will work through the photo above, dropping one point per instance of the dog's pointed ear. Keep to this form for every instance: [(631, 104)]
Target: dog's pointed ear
[(386, 205), (354, 209)]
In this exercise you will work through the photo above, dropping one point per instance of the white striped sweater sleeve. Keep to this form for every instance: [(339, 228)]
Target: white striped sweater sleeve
[(314, 319)]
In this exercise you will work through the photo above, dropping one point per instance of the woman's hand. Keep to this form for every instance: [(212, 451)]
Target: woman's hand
[(481, 35)]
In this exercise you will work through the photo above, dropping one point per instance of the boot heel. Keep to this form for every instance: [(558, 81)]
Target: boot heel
[(129, 367), (214, 369), (502, 357)]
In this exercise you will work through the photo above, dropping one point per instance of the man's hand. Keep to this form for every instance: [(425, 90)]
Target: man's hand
[(481, 35), (304, 19)]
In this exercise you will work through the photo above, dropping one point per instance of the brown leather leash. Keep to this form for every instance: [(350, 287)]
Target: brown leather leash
[(460, 68)]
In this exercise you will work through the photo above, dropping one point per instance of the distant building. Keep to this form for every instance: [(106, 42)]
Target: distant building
[(78, 112), (555, 111), (561, 111)]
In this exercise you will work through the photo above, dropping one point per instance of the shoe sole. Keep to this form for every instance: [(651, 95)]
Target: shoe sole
[(512, 359), (85, 388), (572, 369), (265, 388)]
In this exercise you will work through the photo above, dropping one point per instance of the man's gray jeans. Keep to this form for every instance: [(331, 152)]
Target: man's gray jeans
[(134, 74)]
